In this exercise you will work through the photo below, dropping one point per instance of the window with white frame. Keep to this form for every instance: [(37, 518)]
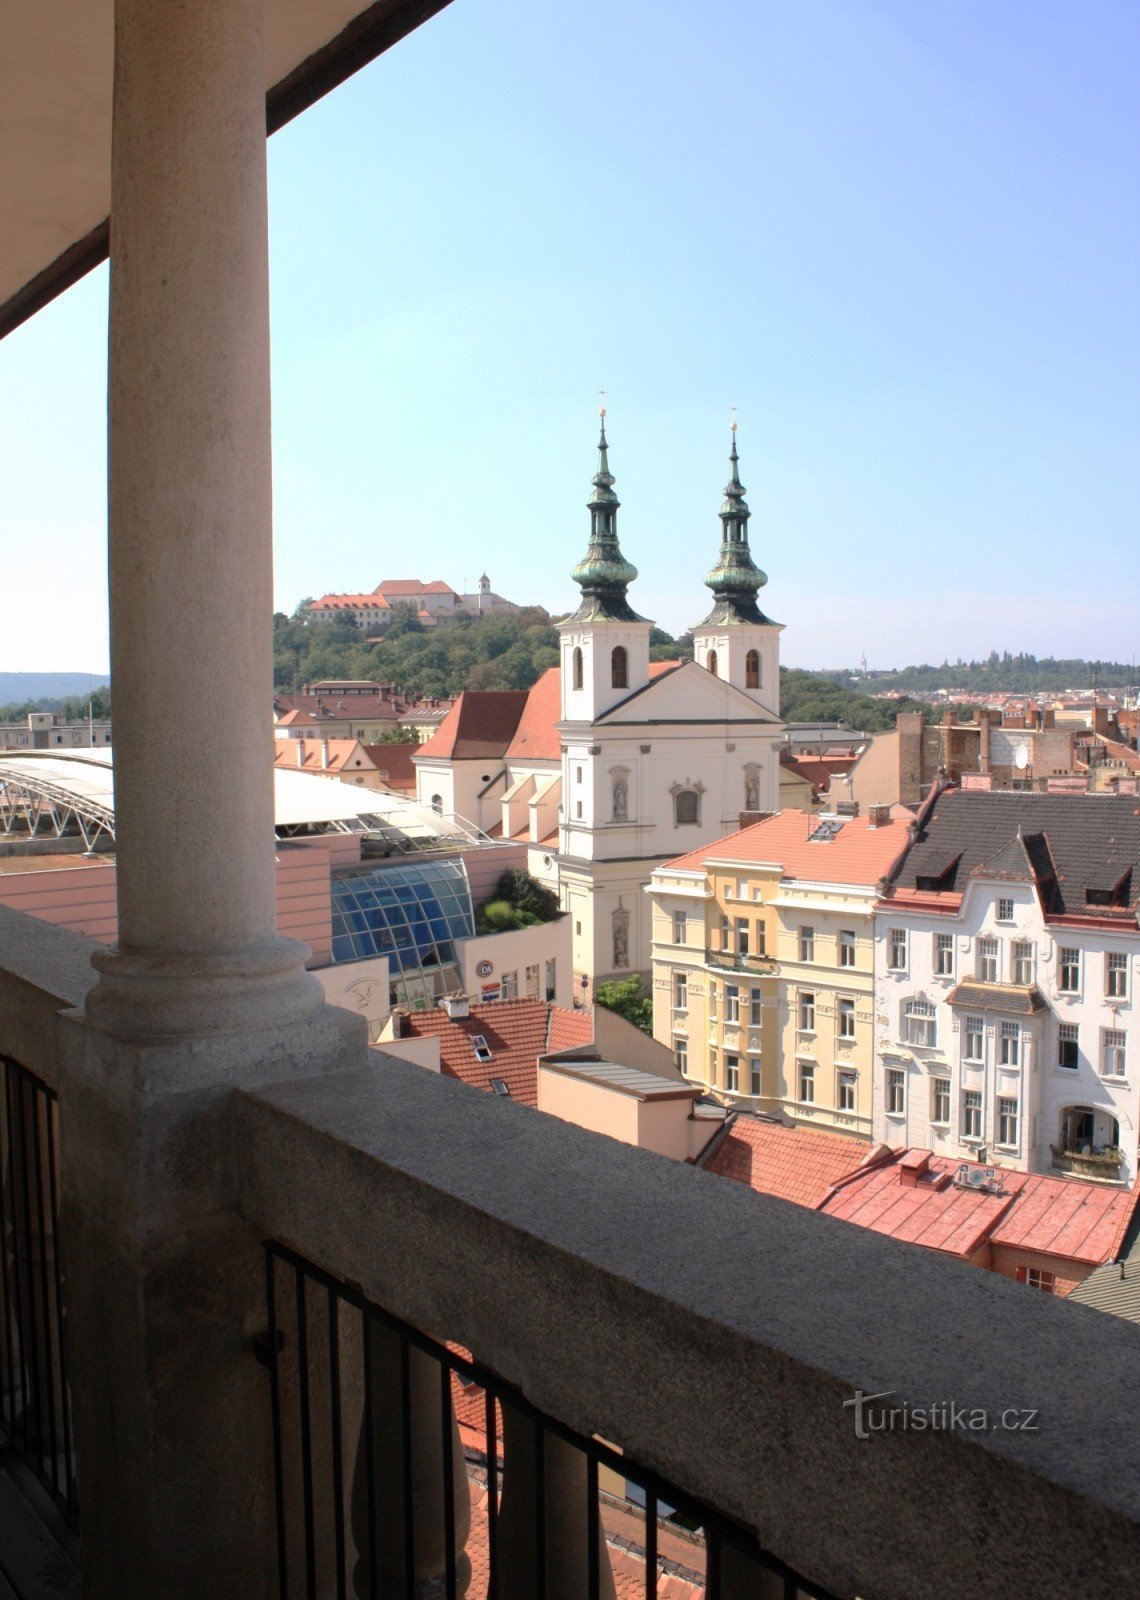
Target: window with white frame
[(1009, 1044), (1116, 975), (944, 955), (1068, 970), (940, 1101), (680, 991), (1021, 962), (1007, 1121), (742, 888), (681, 1053), (1038, 1278), (845, 1019), (732, 1073), (896, 950), (1113, 1052), (920, 1023), (807, 1082), (680, 927), (742, 940), (1068, 1046), (807, 1012), (1005, 910), (755, 1008), (731, 1002), (754, 1075), (896, 1092), (972, 1114), (988, 963), (846, 1093), (532, 980), (846, 947), (973, 1039), (807, 944)]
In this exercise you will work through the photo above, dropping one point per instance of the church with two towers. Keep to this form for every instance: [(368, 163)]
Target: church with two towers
[(617, 764)]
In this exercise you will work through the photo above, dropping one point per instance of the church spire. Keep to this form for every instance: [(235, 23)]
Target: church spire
[(603, 572), (736, 579)]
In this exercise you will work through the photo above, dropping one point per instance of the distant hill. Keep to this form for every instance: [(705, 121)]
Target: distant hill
[(1017, 674), (17, 687)]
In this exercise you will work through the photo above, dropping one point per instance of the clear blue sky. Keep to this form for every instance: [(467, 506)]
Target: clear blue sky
[(902, 238)]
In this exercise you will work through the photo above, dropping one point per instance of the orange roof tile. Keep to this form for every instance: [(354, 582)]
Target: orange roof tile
[(570, 1030), (517, 1033), (858, 853), (796, 1164), (319, 755), (479, 726), (394, 763), (536, 737)]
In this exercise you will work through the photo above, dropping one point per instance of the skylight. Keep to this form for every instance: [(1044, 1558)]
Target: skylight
[(480, 1046)]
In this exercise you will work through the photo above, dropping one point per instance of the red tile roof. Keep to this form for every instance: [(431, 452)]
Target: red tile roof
[(517, 1033), (1036, 1214), (570, 1030), (319, 755), (401, 586), (858, 854), (793, 1163), (536, 737), (330, 602), (479, 726), (394, 764)]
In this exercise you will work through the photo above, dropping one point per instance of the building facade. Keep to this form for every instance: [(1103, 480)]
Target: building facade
[(1007, 957)]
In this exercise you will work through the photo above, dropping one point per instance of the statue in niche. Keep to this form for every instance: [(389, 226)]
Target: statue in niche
[(621, 800), (751, 792), (621, 939)]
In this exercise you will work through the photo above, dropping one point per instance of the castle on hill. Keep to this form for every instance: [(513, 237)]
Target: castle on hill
[(433, 603)]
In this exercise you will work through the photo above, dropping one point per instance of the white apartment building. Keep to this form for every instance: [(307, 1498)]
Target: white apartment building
[(1007, 956)]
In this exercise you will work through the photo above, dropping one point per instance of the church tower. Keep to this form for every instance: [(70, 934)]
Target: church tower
[(736, 641), (605, 644)]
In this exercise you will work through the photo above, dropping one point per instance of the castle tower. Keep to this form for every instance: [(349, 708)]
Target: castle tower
[(605, 644), (736, 641)]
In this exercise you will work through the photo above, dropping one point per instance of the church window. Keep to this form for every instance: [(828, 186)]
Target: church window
[(577, 668), (752, 670), (686, 807), (437, 804), (619, 668), (710, 662)]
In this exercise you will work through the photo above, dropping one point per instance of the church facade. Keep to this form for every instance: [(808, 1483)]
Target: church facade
[(617, 764)]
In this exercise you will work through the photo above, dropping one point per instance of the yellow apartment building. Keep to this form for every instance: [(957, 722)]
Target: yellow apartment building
[(763, 963)]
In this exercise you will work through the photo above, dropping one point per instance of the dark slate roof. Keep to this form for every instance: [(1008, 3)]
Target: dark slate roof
[(1070, 843), (1008, 998)]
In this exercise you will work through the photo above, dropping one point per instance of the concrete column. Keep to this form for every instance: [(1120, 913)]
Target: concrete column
[(384, 1500), (565, 1524), (190, 531), (164, 1281)]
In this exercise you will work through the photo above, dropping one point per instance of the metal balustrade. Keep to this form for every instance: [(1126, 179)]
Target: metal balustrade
[(35, 1404), (371, 1479)]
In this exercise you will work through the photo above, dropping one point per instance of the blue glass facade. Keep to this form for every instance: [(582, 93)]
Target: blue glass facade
[(410, 913)]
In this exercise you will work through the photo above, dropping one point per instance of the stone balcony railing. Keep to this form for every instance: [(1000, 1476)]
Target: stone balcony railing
[(576, 1270), (732, 961)]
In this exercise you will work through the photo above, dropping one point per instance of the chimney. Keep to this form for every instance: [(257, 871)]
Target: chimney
[(912, 1167), (1048, 717), (324, 755), (456, 1006), (878, 816), (300, 752), (984, 721), (949, 718)]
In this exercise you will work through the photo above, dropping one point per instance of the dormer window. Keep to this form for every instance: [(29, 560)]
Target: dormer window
[(752, 670), (619, 667)]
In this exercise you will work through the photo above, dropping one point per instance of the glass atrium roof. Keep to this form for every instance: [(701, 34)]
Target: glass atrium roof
[(411, 913)]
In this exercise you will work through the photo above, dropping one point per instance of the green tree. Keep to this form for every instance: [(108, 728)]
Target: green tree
[(628, 999)]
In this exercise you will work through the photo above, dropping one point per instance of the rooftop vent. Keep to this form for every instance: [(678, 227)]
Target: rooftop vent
[(480, 1046), (456, 1006), (983, 1180)]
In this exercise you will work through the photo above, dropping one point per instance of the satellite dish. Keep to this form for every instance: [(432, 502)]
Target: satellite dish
[(1021, 758)]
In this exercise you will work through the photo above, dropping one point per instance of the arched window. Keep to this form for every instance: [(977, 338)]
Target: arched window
[(437, 804), (710, 662), (752, 670), (619, 667), (686, 807), (577, 671)]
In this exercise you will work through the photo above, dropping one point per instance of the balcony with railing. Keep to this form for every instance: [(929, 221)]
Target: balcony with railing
[(741, 961)]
